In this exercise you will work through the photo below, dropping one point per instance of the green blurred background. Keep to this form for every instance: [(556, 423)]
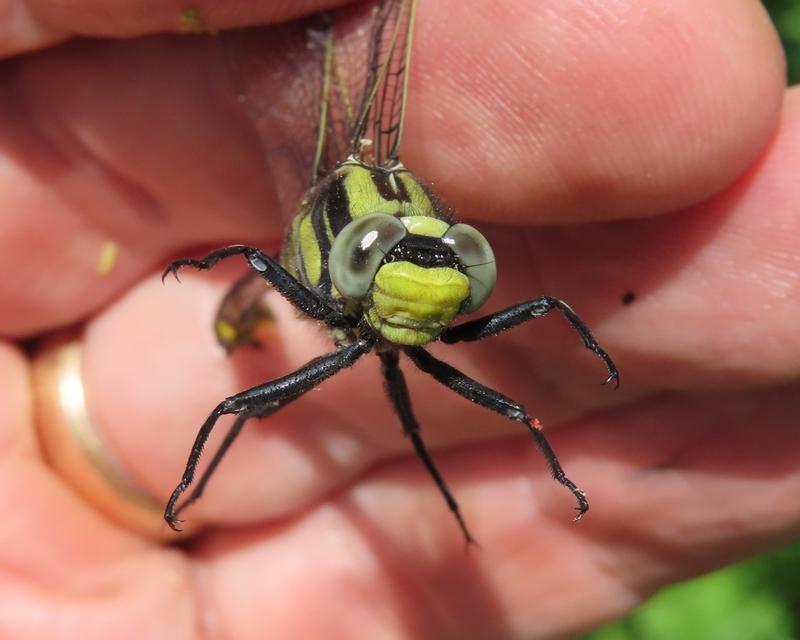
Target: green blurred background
[(754, 600), (786, 16)]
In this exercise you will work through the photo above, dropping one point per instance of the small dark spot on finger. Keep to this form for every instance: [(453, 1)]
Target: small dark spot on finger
[(628, 297)]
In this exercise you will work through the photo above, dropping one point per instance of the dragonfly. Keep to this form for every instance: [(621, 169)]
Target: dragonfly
[(374, 255)]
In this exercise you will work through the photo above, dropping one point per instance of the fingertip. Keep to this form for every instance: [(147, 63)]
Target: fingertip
[(565, 111)]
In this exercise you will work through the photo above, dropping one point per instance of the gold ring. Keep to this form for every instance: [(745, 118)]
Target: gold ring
[(74, 448)]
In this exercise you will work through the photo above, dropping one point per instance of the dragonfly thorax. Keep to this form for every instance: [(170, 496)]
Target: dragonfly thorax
[(352, 191)]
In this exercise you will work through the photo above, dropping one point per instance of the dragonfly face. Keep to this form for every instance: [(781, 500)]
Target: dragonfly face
[(409, 276), (375, 256)]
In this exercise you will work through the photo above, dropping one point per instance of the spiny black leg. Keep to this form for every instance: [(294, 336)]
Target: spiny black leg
[(232, 434), (497, 402), (493, 324), (262, 400), (305, 299), (397, 391)]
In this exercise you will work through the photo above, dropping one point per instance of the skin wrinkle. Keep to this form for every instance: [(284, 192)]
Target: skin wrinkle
[(139, 198), (65, 147), (207, 624), (321, 461), (22, 31), (16, 396), (624, 586), (216, 138)]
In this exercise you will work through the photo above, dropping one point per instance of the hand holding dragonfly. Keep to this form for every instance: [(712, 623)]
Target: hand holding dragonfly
[(658, 149)]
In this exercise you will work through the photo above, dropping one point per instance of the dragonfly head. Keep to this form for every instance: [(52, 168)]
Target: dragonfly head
[(411, 275)]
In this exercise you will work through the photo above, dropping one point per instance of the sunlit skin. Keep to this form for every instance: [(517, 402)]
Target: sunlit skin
[(667, 126)]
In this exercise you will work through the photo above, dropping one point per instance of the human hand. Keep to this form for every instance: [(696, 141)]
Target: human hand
[(616, 124)]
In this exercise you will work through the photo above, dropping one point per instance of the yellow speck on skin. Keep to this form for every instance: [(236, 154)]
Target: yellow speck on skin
[(192, 21), (108, 257)]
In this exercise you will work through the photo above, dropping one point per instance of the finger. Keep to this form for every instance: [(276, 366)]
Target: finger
[(66, 571), (35, 24), (17, 436), (572, 111), (715, 286), (675, 492), (104, 170), (199, 182)]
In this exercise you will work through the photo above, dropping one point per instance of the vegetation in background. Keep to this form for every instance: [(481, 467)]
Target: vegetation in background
[(786, 16), (755, 600)]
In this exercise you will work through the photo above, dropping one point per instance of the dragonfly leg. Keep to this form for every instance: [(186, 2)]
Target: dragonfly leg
[(493, 400), (493, 324), (259, 401), (197, 492), (303, 298), (397, 391)]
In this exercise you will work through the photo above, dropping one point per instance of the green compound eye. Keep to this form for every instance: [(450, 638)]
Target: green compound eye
[(477, 257), (358, 251)]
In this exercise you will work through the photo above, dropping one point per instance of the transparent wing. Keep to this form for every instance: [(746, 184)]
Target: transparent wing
[(316, 89), (342, 76), (378, 128)]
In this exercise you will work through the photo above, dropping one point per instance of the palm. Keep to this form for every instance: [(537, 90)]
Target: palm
[(327, 525)]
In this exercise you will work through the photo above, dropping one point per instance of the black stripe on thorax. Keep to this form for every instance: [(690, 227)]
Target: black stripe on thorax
[(338, 206), (318, 224), (332, 202), (384, 186)]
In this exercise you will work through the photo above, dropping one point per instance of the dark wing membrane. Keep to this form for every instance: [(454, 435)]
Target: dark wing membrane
[(277, 74), (299, 84), (383, 100)]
